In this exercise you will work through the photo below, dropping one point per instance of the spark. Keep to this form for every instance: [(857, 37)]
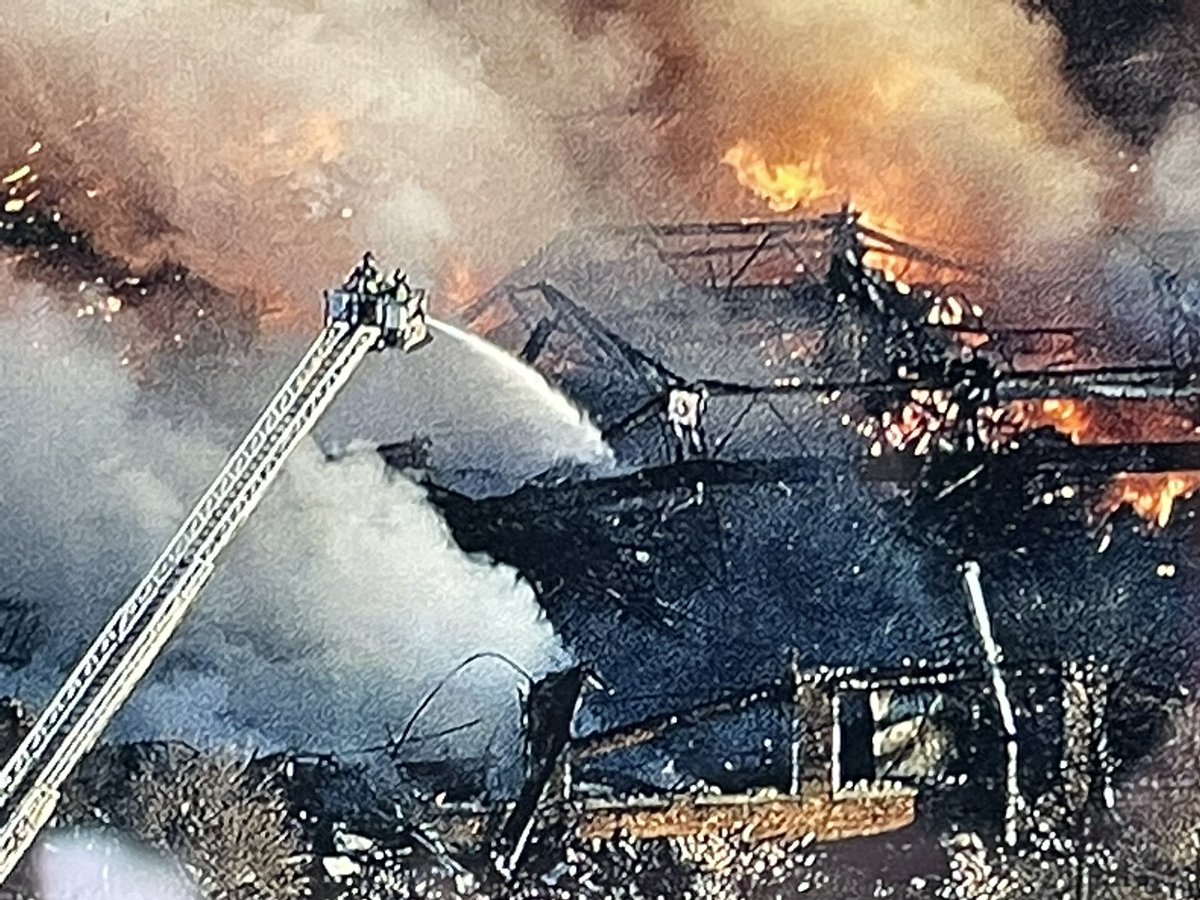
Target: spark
[(14, 177)]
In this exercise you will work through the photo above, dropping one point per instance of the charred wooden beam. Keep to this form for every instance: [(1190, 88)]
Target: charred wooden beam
[(549, 712), (647, 368), (1114, 383), (746, 226), (645, 730), (1018, 331), (713, 251), (812, 734), (898, 247), (1107, 459), (537, 339)]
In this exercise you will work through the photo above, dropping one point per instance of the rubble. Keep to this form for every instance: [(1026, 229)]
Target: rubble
[(791, 703)]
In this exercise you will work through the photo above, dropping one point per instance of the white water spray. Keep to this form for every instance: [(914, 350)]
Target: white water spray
[(529, 377)]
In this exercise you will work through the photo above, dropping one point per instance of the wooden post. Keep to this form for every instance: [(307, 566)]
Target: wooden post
[(835, 743), (813, 735)]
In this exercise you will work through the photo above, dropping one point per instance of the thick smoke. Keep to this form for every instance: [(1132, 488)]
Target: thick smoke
[(1174, 199), (949, 121), (99, 867), (265, 144), (340, 605)]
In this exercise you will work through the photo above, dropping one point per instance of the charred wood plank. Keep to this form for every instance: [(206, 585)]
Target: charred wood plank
[(636, 733)]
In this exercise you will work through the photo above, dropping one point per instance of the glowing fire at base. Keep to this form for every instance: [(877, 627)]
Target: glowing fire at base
[(929, 420), (1150, 496), (1068, 417), (1098, 421)]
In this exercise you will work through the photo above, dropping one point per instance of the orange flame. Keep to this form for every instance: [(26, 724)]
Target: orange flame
[(1105, 422), (1151, 496), (1068, 417), (787, 187), (784, 187)]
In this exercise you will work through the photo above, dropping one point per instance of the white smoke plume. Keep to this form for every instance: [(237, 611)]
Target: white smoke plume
[(342, 602), (214, 131), (100, 867), (493, 421), (1174, 198)]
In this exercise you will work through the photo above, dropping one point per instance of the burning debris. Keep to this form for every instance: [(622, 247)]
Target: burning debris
[(1152, 497), (811, 416), (159, 318)]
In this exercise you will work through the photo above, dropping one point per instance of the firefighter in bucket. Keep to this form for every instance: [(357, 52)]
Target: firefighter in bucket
[(391, 304)]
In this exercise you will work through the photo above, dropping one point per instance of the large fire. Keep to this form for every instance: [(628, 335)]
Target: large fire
[(807, 186), (785, 187)]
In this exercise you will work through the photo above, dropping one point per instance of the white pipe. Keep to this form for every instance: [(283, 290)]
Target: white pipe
[(835, 750), (994, 656)]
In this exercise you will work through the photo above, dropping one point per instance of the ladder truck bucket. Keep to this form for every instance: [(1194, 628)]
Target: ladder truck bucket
[(399, 311), (340, 306)]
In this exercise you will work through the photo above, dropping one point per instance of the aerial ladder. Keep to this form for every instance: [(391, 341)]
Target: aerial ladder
[(369, 312)]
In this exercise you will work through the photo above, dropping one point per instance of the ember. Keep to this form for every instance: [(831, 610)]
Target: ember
[(933, 420)]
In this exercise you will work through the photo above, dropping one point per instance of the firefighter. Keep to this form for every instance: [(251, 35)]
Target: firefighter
[(397, 281), (365, 277)]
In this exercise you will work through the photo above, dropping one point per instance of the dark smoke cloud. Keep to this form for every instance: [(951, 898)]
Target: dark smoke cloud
[(1130, 61)]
